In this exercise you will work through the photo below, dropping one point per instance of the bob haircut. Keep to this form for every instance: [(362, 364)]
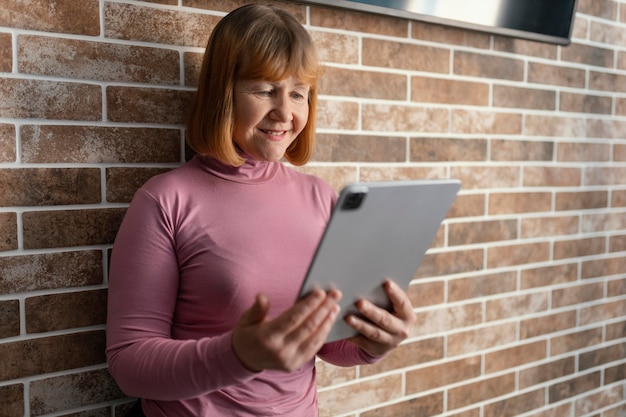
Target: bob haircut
[(252, 42)]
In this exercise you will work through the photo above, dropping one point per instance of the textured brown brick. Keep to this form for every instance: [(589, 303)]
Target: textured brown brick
[(391, 118), (422, 293), (515, 356), (575, 341), (48, 313), (483, 176), (51, 354), (546, 372), (443, 149), (614, 374), (585, 103), (147, 105), (333, 114), (64, 228), (8, 231), (72, 58), (350, 148), (6, 46), (94, 144), (520, 202), (581, 152), (516, 306), (606, 81), (12, 400), (550, 226), (604, 9), (598, 222), (551, 323), (365, 84), (514, 406), (479, 339), (575, 248), (525, 47), (449, 35), (122, 183), (327, 374), (40, 99), (382, 53), (577, 295), (468, 205), (408, 354), (446, 318), (517, 254), (381, 173), (556, 75), (67, 16), (481, 286), (602, 312), (521, 150), (426, 405), (602, 356), (435, 264), (447, 373), (617, 243), (619, 153), (523, 98), (488, 66), (589, 55), (193, 64), (74, 390), (581, 200), (599, 400), (617, 287), (609, 128), (8, 151), (486, 122), (539, 125), (444, 90), (618, 198), (336, 47), (574, 386), (550, 275), (49, 186), (172, 27), (482, 390), (602, 267), (50, 271), (480, 232), (363, 394), (360, 22), (9, 318)]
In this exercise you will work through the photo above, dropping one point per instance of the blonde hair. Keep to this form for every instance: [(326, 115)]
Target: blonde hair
[(252, 42)]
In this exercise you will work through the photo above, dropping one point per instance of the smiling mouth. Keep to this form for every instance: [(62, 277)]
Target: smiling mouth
[(274, 132)]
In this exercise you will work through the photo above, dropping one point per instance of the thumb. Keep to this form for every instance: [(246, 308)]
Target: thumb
[(257, 313)]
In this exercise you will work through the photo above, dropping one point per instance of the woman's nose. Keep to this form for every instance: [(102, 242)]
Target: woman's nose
[(282, 111)]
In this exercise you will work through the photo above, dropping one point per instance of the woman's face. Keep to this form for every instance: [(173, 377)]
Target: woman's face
[(269, 115)]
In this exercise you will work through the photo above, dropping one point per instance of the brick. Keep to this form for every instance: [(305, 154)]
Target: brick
[(576, 248), (392, 118), (50, 271), (599, 400), (408, 354), (619, 153), (516, 306), (94, 144), (480, 391), (164, 26), (602, 312), (468, 413), (440, 375), (581, 200), (334, 114), (12, 400), (394, 54), (297, 10), (79, 59), (40, 99), (514, 406), (609, 34), (425, 406), (515, 356), (336, 47), (604, 175), (537, 125), (539, 374), (520, 202), (558, 411), (449, 91), (588, 55), (122, 183), (525, 47), (488, 66), (446, 263), (549, 275), (147, 105), (363, 84), (6, 46), (547, 324), (51, 354), (523, 98), (604, 9), (9, 318), (481, 286), (611, 129), (485, 176), (542, 176), (618, 198), (617, 287), (449, 35), (601, 222), (8, 151), (573, 387), (585, 103), (468, 233), (583, 152), (8, 231), (66, 228), (479, 339), (327, 374), (336, 176), (614, 374), (354, 21), (424, 294), (446, 318), (58, 393), (615, 330), (535, 227), (575, 341), (486, 122), (352, 148), (380, 173), (521, 150), (556, 75), (67, 16), (468, 205), (54, 186), (603, 267), (617, 243), (48, 313), (192, 67), (445, 149), (606, 81), (577, 294), (361, 395), (602, 356)]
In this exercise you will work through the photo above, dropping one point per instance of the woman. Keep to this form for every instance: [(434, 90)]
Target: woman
[(203, 318)]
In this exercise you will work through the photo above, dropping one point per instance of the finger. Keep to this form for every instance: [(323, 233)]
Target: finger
[(317, 324), (399, 300), (257, 313)]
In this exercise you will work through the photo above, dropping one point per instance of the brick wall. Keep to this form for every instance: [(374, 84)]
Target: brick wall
[(521, 301)]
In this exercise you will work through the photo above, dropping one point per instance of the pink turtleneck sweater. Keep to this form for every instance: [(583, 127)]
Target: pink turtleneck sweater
[(196, 246)]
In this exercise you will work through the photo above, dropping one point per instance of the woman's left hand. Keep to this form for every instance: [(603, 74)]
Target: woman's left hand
[(383, 330)]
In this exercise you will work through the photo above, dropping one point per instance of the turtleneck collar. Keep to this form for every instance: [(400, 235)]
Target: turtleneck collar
[(251, 172)]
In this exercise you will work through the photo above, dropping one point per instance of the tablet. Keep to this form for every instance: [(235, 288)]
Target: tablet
[(377, 230)]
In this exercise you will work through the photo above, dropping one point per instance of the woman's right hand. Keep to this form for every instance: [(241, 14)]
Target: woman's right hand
[(290, 340)]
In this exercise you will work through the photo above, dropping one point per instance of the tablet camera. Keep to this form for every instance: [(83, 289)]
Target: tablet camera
[(353, 201)]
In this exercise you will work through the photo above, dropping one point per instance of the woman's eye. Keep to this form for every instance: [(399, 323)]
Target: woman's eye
[(297, 96)]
